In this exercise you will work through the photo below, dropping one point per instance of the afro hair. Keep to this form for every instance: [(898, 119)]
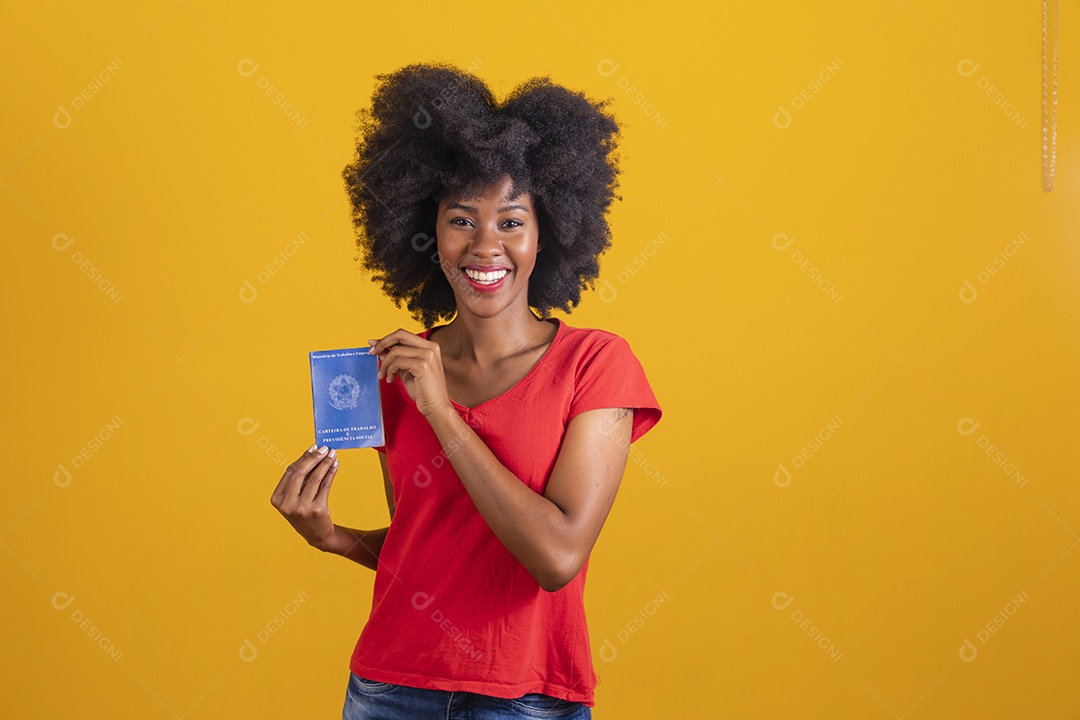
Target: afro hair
[(435, 131)]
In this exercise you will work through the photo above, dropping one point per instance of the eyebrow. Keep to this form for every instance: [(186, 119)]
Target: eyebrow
[(504, 208)]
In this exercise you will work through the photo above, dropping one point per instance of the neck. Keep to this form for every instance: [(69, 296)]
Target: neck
[(485, 340)]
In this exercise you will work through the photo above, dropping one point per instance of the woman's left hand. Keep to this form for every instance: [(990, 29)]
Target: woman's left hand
[(418, 363)]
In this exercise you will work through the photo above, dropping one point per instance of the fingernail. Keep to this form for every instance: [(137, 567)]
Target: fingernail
[(323, 449), (333, 453), (313, 446)]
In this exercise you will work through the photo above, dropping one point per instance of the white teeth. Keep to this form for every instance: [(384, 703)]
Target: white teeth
[(486, 278)]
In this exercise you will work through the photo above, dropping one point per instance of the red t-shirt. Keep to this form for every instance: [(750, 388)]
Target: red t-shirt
[(452, 608)]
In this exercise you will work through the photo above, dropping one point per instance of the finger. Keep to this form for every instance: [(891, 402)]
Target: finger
[(309, 459), (394, 344), (399, 365), (323, 495), (287, 479), (379, 345), (399, 336), (293, 479), (315, 476), (313, 448), (402, 358)]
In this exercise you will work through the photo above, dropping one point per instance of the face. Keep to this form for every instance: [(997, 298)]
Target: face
[(495, 240)]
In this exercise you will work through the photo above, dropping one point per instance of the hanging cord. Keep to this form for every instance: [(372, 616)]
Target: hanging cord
[(1049, 158)]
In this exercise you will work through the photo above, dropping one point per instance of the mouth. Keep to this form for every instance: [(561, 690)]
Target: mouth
[(486, 282)]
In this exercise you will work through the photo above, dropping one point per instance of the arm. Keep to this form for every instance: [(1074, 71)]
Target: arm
[(363, 546), (360, 546), (551, 534)]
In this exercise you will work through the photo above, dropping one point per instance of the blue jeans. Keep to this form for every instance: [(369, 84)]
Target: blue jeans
[(370, 700)]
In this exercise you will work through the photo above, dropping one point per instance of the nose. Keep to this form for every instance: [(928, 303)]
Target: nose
[(486, 242)]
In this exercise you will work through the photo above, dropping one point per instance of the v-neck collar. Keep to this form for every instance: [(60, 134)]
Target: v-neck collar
[(559, 331)]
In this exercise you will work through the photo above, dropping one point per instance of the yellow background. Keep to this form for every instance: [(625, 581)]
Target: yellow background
[(897, 537)]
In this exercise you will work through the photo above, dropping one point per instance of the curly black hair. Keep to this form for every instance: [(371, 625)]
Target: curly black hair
[(434, 131)]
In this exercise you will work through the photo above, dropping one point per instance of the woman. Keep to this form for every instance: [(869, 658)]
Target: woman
[(507, 433)]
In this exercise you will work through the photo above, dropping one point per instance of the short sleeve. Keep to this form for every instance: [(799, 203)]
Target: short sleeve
[(613, 377)]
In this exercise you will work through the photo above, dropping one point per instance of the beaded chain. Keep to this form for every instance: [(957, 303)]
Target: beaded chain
[(1049, 158)]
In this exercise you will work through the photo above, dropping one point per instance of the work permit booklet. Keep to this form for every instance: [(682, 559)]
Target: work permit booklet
[(345, 396)]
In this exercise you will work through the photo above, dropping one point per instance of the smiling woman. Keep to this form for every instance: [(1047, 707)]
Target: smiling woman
[(507, 432), (553, 143), (491, 244)]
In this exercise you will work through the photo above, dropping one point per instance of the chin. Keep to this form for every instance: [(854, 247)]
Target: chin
[(487, 306), (486, 314)]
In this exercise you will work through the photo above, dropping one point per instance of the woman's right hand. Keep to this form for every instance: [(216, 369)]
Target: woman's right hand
[(301, 495)]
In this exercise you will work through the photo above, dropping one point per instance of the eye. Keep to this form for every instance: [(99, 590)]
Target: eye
[(454, 221), (517, 223)]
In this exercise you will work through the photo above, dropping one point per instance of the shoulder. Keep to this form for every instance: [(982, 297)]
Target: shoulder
[(606, 373), (588, 336), (586, 346)]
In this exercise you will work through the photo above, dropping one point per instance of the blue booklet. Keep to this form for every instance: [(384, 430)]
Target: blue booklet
[(345, 396)]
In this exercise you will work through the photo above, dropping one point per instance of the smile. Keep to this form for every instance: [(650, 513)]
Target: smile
[(486, 281), (486, 277)]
